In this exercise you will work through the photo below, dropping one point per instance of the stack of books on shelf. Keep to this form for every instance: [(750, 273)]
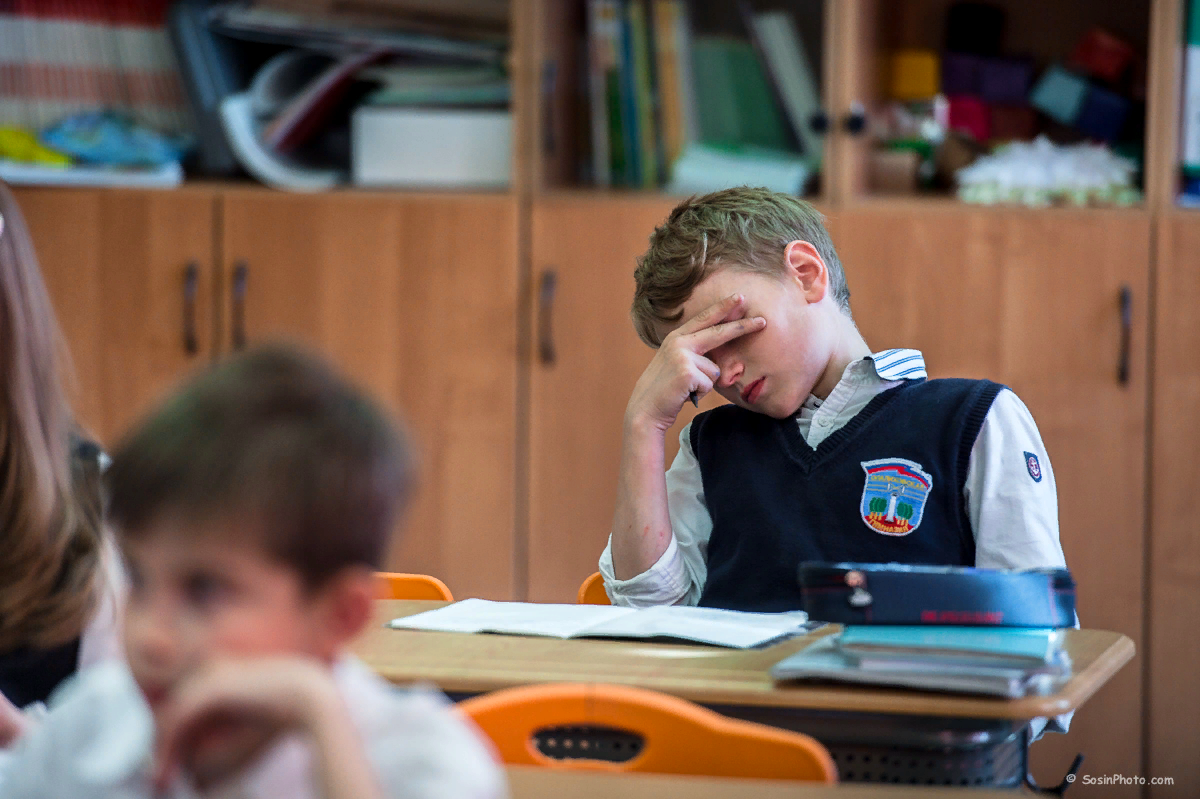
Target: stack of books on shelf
[(380, 92), (998, 661), (698, 112)]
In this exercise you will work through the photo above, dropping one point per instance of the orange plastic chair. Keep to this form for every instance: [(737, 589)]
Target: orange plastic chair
[(619, 728), (592, 592), (393, 585)]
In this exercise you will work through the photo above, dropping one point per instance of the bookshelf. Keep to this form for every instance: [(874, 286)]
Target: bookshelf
[(848, 43)]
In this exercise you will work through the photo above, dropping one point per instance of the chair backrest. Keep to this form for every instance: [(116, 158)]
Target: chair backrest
[(592, 592), (393, 585), (619, 728)]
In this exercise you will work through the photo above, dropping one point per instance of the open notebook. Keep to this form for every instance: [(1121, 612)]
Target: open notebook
[(729, 628)]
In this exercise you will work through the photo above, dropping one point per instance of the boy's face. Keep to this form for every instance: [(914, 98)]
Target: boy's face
[(771, 371), (199, 592)]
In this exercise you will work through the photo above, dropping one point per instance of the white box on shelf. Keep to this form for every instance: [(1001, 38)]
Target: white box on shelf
[(393, 146)]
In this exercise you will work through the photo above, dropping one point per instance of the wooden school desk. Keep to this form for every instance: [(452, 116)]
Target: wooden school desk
[(531, 782), (871, 732)]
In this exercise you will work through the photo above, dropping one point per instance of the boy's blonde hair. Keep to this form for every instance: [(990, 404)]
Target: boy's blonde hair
[(743, 227)]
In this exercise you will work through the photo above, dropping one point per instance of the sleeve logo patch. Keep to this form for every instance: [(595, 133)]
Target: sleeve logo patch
[(1034, 468)]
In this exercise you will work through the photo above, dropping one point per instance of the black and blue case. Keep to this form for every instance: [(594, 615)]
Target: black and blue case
[(893, 593)]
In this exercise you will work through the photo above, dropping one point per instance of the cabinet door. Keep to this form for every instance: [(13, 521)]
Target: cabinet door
[(588, 247), (1032, 299), (414, 297), (1174, 591), (130, 274)]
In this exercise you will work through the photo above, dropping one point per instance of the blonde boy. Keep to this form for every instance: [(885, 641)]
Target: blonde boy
[(827, 451), (253, 509)]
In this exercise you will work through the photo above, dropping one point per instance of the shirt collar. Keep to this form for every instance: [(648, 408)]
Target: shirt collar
[(898, 364)]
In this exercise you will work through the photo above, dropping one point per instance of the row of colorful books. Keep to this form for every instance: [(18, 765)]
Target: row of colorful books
[(657, 90)]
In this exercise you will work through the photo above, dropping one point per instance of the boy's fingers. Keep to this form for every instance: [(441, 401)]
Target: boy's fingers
[(710, 369), (712, 337), (711, 315)]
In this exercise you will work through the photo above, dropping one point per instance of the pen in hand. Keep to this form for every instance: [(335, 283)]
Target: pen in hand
[(694, 398)]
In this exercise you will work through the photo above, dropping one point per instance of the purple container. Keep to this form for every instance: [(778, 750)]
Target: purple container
[(1005, 81), (960, 73)]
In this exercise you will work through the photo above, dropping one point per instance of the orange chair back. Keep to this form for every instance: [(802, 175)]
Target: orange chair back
[(393, 585), (676, 736), (592, 592)]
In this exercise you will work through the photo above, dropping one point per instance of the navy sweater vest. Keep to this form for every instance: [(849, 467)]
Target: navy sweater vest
[(885, 488)]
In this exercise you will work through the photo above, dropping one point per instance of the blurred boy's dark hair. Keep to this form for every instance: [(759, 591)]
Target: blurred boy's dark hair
[(276, 437)]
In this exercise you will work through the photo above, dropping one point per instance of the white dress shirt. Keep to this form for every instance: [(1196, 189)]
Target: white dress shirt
[(97, 739), (1013, 516)]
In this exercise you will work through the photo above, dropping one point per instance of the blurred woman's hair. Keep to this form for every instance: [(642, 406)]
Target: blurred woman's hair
[(50, 509)]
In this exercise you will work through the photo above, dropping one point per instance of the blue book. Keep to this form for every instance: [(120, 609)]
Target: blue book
[(1016, 646), (630, 130)]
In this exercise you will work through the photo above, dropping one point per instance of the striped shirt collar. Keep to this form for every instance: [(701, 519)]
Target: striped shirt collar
[(899, 364)]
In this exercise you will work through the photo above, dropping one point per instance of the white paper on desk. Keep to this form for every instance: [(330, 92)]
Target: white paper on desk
[(728, 628), (516, 618)]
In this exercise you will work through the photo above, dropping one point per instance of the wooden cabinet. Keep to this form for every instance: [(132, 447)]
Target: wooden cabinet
[(414, 297), (1173, 699), (130, 275), (1033, 300)]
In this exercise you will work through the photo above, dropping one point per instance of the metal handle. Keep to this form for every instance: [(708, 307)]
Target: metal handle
[(191, 283), (855, 121), (549, 284), (1126, 335), (238, 308)]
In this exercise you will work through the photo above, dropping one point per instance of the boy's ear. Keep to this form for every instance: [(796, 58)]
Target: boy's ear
[(344, 606), (808, 268)]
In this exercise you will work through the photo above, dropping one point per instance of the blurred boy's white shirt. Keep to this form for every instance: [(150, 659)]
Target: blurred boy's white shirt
[(97, 740)]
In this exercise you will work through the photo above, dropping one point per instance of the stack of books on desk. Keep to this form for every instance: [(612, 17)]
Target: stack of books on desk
[(1010, 662)]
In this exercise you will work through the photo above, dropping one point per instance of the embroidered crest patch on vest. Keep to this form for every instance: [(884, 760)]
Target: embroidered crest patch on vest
[(894, 495), (1034, 467)]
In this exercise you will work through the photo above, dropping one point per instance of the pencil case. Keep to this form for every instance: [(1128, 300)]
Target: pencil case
[(892, 593)]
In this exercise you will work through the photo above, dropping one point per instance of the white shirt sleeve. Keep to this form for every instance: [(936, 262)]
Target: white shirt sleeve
[(1013, 514), (678, 577)]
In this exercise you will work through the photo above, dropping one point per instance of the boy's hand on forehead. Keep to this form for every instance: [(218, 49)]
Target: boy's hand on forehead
[(680, 369)]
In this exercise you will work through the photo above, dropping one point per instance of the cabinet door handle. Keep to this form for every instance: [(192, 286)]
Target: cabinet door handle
[(549, 283), (855, 120), (1126, 335), (191, 282), (241, 273)]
